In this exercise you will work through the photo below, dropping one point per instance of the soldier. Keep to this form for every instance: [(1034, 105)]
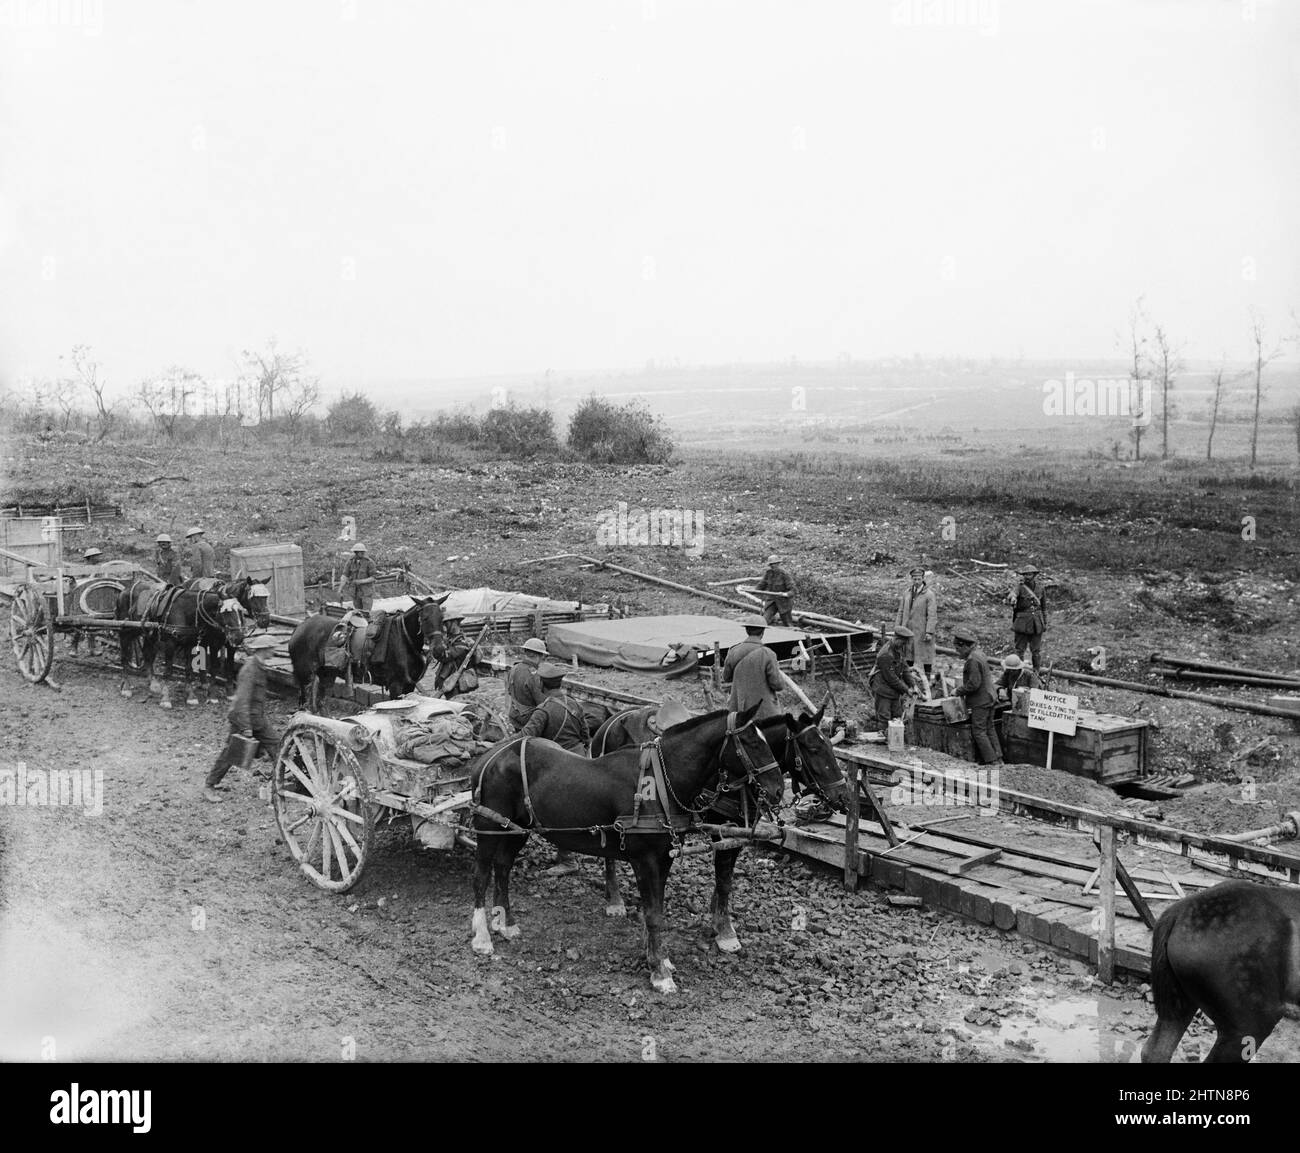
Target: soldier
[(457, 649), (1015, 675), (918, 610), (978, 689), (523, 686), (1029, 614), (247, 714), (166, 561), (560, 720), (360, 574), (776, 580), (202, 560), (752, 672), (93, 556), (892, 680)]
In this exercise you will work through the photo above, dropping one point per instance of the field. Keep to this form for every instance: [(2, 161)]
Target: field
[(166, 929)]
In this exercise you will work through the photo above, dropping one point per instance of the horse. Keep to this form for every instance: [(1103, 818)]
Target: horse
[(181, 618), (397, 660), (1232, 951), (526, 785), (805, 756), (252, 596)]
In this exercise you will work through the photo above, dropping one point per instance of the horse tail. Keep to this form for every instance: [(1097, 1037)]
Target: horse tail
[(1171, 1000)]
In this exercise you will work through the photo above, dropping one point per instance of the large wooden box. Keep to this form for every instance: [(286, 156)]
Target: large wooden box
[(279, 567), (29, 536), (1107, 748)]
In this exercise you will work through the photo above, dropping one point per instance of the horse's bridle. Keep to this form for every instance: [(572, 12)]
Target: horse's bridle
[(213, 624), (797, 772)]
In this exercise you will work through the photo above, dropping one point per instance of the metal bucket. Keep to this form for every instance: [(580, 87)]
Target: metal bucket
[(241, 750)]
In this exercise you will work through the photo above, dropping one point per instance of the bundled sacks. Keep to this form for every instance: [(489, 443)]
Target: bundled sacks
[(444, 737)]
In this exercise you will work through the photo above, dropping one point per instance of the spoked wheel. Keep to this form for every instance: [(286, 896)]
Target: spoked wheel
[(31, 629), (322, 805)]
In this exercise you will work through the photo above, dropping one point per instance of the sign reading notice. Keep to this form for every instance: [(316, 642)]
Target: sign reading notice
[(1055, 712)]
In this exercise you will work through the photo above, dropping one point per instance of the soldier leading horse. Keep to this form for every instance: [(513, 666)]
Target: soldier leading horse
[(533, 785)]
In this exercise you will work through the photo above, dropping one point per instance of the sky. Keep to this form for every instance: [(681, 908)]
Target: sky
[(451, 189)]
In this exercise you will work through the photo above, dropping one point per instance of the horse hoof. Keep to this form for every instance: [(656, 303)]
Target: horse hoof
[(214, 701), (728, 943), (191, 700), (509, 932), (164, 704), (482, 943), (663, 983), (619, 910), (497, 921), (126, 693)]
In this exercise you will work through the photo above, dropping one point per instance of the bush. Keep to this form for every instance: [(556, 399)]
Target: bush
[(519, 431), (606, 433), (353, 416)]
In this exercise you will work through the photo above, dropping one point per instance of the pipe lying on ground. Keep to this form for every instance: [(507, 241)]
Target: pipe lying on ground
[(1230, 679), (1288, 826), (1216, 667)]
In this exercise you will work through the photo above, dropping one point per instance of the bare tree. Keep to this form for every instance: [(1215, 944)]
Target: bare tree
[(87, 370), (166, 398), (1215, 401), (1135, 345), (1262, 359), (275, 373), (300, 396), (63, 395), (1168, 364)]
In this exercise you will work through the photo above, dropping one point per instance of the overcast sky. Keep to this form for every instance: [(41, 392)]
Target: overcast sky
[(449, 189)]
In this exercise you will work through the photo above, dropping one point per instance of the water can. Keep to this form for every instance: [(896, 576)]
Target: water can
[(896, 743)]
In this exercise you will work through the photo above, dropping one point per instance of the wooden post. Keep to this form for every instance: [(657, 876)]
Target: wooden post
[(1106, 887), (848, 655), (1050, 737), (717, 667), (851, 831)]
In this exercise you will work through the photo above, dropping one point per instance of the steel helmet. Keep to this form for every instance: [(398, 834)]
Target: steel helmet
[(533, 645), (91, 553), (754, 622), (162, 538), (358, 547), (193, 530)]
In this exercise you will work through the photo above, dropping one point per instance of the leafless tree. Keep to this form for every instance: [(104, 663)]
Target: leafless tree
[(1262, 359), (1135, 347), (1215, 401), (1168, 364), (87, 370), (63, 395), (166, 398), (275, 373), (300, 396)]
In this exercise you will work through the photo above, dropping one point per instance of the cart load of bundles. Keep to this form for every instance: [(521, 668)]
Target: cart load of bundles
[(446, 738)]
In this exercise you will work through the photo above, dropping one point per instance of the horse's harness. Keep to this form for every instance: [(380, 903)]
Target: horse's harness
[(656, 808)]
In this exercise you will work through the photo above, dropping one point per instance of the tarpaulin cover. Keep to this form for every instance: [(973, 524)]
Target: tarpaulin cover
[(476, 602), (603, 643)]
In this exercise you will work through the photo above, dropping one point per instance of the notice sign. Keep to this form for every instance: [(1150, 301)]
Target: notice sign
[(1055, 712)]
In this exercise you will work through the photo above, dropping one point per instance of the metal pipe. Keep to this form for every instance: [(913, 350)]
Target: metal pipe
[(1213, 666), (1288, 826)]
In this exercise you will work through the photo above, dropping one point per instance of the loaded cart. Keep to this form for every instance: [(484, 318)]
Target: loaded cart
[(334, 780)]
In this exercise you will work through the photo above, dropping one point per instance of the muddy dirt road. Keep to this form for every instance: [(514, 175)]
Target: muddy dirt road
[(166, 928)]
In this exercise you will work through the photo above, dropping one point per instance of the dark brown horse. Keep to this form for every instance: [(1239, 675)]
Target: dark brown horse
[(585, 806), (397, 661), (1232, 951), (179, 620), (805, 756)]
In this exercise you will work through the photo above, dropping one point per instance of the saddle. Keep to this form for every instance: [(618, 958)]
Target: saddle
[(347, 643), (671, 712), (205, 585)]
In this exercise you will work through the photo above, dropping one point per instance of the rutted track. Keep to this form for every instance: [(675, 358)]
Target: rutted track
[(167, 928)]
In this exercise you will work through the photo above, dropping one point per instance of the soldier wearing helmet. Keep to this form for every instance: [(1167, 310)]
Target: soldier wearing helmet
[(457, 648), (523, 686), (166, 560), (777, 582), (201, 559), (1029, 614), (359, 572)]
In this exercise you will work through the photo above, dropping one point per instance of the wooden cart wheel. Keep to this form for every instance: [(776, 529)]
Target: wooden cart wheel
[(31, 629), (322, 805)]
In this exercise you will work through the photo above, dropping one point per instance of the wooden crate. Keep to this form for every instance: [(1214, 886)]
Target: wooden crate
[(279, 567), (932, 730), (1107, 748)]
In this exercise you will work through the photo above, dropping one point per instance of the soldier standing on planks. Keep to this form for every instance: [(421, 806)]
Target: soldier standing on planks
[(776, 580), (980, 693), (892, 680), (1029, 614), (360, 574), (167, 561)]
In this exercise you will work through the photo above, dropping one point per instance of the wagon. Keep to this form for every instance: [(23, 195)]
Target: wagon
[(43, 606), (335, 780)]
